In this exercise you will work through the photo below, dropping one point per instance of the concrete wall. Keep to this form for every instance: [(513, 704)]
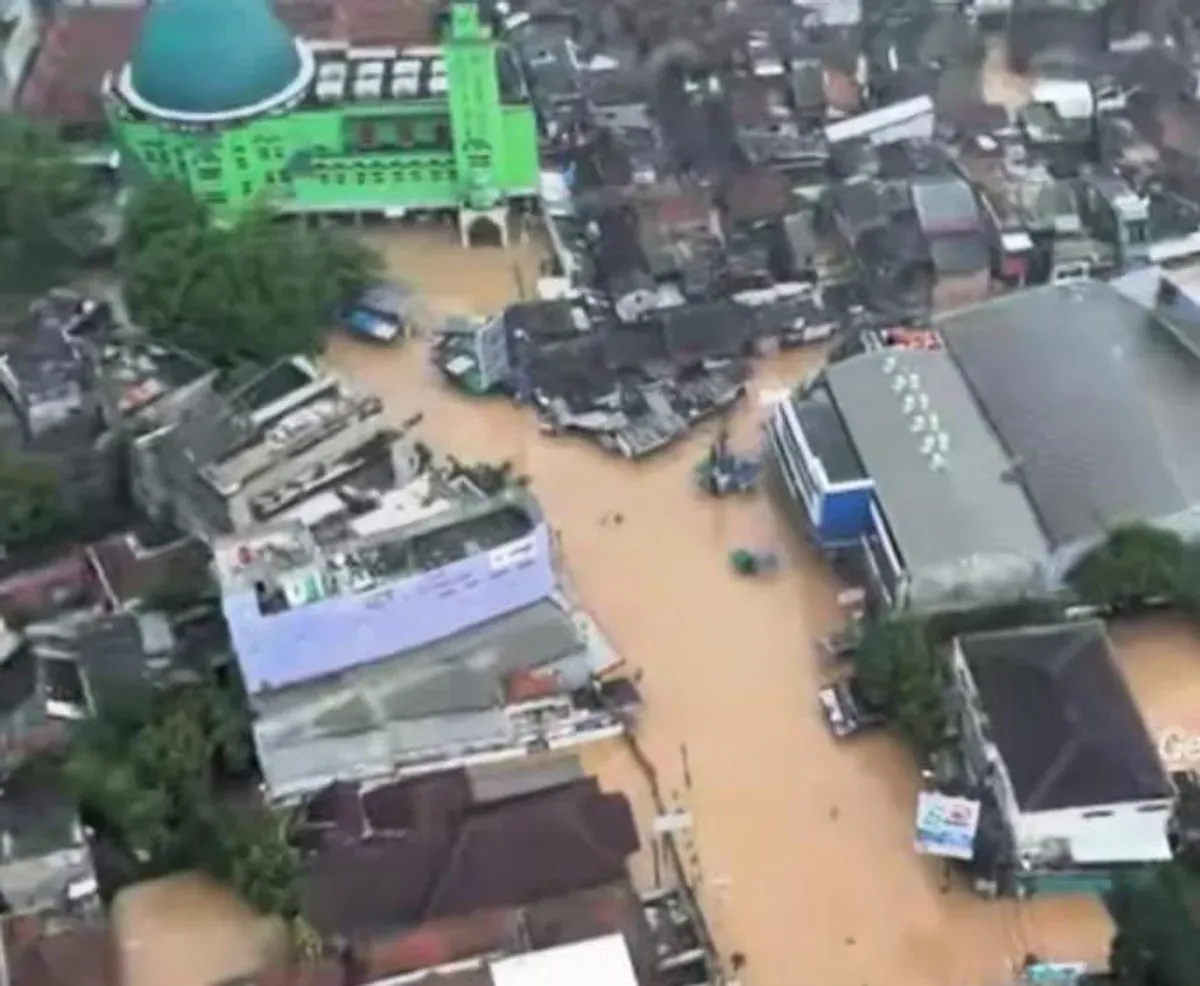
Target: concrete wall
[(347, 630)]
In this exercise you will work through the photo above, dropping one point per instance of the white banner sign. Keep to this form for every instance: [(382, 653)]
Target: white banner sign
[(946, 826), (512, 554)]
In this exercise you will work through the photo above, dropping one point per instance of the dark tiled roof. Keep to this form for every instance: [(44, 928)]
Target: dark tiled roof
[(71, 955), (386, 22), (443, 857), (437, 943), (591, 914), (709, 329), (81, 47), (517, 852), (756, 194), (1062, 717)]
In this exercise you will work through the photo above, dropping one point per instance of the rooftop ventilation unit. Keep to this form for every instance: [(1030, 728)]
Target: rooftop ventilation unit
[(889, 363), (910, 403), (935, 423), (899, 382), (914, 381), (938, 462), (919, 424), (923, 401), (943, 442), (928, 444)]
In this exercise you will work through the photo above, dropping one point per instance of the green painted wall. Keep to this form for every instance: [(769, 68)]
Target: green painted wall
[(356, 156)]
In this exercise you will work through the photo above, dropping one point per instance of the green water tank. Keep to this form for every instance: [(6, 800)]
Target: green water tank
[(212, 56)]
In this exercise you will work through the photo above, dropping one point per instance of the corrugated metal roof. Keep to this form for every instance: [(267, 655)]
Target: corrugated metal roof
[(1094, 399), (943, 512)]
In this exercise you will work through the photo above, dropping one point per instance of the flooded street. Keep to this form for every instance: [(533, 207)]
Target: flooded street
[(803, 846), (1002, 86), (187, 930)]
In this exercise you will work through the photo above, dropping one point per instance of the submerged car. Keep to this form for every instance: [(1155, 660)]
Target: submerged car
[(847, 709), (382, 313)]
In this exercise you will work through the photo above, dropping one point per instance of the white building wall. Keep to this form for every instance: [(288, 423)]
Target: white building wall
[(20, 29), (1113, 833), (1109, 833), (910, 119)]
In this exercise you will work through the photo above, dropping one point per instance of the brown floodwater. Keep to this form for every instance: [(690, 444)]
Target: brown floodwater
[(803, 845), (1001, 85), (186, 930)]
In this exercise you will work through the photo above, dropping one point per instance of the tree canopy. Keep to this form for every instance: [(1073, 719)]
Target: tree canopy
[(901, 671), (148, 772), (45, 227), (1136, 563), (1157, 942), (29, 503), (252, 292)]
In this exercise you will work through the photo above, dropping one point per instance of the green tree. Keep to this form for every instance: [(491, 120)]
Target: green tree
[(1157, 942), (254, 857), (1135, 563), (29, 503), (148, 771), (45, 227), (900, 669), (252, 292)]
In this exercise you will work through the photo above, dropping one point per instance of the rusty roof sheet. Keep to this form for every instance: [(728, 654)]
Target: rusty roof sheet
[(437, 943), (41, 951), (460, 859), (81, 47)]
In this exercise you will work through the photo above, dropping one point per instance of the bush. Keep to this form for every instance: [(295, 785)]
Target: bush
[(1136, 564), (29, 502)]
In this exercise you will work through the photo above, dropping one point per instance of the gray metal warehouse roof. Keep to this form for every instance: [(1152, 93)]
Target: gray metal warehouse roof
[(1095, 400), (962, 513)]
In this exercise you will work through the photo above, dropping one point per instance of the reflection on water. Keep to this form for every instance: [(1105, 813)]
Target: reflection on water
[(804, 847)]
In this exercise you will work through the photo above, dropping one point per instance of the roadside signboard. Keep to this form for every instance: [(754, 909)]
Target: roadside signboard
[(946, 826)]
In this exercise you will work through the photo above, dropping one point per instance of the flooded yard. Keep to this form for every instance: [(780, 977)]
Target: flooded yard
[(803, 846), (1160, 656), (187, 930)]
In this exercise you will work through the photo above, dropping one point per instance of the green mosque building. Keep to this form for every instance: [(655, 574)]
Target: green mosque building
[(220, 96)]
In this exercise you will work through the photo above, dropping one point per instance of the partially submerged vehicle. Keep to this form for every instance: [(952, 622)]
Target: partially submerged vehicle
[(723, 473), (382, 313), (746, 561), (847, 709)]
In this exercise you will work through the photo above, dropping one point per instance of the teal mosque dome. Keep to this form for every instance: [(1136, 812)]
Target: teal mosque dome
[(212, 57)]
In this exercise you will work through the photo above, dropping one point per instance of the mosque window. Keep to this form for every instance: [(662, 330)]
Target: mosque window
[(209, 173), (367, 136)]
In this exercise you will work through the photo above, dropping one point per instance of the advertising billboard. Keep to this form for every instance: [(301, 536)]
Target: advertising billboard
[(946, 826)]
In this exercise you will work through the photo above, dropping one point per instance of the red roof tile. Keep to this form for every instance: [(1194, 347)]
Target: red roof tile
[(386, 22), (81, 47), (437, 943), (44, 952), (86, 43), (529, 684)]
